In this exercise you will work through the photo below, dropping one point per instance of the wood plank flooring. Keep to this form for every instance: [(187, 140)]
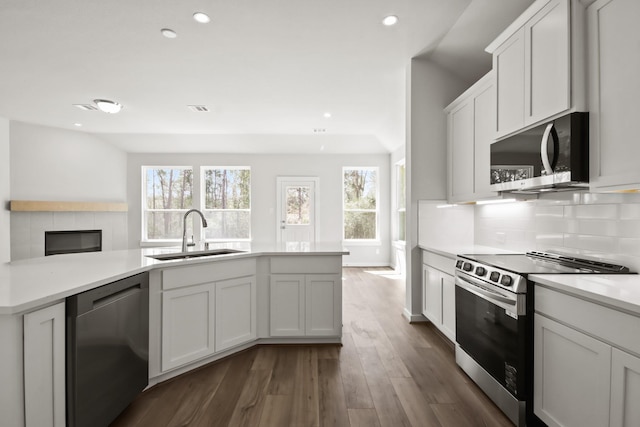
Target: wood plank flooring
[(387, 373)]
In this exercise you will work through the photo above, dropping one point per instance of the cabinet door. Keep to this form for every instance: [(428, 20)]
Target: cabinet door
[(484, 132), (571, 376), (235, 312), (449, 307), (323, 305), (187, 324), (547, 62), (44, 367), (625, 390), (614, 90), (432, 294), (287, 305), (461, 159), (508, 61)]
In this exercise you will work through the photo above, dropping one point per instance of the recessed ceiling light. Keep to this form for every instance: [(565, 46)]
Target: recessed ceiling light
[(319, 130), (202, 18), (107, 106), (170, 34), (78, 124), (390, 20), (327, 115)]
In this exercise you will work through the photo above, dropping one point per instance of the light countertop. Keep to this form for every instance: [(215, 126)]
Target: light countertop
[(621, 291), (35, 282), (450, 251)]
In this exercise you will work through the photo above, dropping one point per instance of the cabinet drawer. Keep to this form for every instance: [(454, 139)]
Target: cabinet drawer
[(306, 264), (615, 327), (210, 272), (439, 262)]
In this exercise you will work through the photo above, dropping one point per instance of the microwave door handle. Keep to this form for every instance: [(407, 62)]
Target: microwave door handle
[(546, 164)]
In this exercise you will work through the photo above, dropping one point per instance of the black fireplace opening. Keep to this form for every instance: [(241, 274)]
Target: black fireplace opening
[(71, 242)]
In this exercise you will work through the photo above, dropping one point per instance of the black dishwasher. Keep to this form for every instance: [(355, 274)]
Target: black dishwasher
[(107, 353)]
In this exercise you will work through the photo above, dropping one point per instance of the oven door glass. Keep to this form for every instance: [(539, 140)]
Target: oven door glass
[(492, 338)]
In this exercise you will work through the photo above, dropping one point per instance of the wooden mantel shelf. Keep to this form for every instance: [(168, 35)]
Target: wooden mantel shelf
[(46, 206)]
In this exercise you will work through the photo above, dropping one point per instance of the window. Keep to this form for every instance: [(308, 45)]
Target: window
[(227, 202), (401, 201), (360, 194), (167, 195)]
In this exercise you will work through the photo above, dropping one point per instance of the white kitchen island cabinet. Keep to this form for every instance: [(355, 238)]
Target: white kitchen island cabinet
[(614, 90), (235, 317), (188, 330), (305, 305), (44, 367), (586, 364), (539, 64)]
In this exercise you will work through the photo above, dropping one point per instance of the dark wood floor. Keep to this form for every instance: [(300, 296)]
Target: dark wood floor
[(387, 373)]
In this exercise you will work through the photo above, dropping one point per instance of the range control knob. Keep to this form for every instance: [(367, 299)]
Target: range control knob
[(494, 276), (481, 271), (467, 266), (506, 280)]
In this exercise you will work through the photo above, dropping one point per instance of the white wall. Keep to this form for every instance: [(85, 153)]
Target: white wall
[(265, 169), (5, 191), (429, 90), (605, 226), (398, 248), (51, 164), (57, 164)]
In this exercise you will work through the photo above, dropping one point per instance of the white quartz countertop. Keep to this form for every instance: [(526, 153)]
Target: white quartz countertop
[(32, 283), (451, 251), (621, 291)]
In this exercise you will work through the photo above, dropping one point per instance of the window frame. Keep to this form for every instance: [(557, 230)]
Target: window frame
[(203, 197), (376, 239), (144, 210)]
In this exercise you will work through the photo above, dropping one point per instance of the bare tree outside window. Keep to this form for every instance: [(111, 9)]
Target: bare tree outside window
[(227, 202), (360, 192), (168, 194)]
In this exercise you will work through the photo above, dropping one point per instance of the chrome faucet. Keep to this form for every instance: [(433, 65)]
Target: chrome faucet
[(184, 226)]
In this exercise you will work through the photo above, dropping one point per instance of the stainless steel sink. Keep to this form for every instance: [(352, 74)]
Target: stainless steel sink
[(194, 254)]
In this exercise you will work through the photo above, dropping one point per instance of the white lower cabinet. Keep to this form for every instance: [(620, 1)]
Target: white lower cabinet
[(585, 369), (235, 312), (572, 371), (625, 389), (305, 305), (44, 367), (188, 330), (439, 293)]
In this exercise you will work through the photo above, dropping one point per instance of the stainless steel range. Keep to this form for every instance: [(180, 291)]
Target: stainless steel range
[(494, 321)]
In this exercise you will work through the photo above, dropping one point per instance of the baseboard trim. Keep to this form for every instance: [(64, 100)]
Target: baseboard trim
[(413, 318)]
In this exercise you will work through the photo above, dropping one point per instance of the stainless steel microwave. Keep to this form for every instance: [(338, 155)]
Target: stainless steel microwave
[(551, 156)]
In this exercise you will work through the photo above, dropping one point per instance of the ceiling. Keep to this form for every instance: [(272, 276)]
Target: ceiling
[(267, 70)]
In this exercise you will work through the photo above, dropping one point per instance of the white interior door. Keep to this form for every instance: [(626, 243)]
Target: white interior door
[(297, 213)]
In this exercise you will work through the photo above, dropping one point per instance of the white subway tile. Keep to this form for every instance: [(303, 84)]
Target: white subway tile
[(630, 211), (630, 246), (591, 243), (597, 211), (629, 228), (556, 211), (597, 227)]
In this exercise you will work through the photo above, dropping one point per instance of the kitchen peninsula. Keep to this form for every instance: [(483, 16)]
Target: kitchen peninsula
[(270, 293)]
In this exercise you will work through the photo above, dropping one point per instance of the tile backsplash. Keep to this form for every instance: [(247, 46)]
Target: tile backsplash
[(27, 229), (604, 226)]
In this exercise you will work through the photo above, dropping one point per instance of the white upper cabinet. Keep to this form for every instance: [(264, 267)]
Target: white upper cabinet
[(539, 65), (470, 130), (614, 90)]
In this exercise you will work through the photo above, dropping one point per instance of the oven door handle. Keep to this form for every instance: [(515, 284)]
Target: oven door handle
[(509, 304)]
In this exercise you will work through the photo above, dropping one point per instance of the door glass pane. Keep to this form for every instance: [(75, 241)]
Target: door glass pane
[(298, 205)]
